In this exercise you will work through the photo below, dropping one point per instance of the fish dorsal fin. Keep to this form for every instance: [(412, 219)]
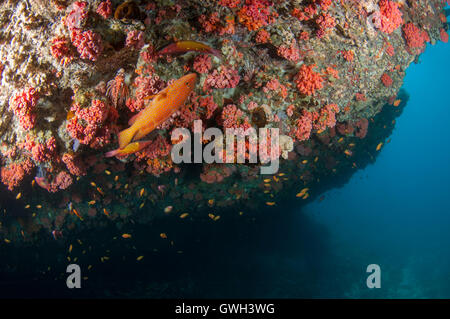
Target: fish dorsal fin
[(162, 95)]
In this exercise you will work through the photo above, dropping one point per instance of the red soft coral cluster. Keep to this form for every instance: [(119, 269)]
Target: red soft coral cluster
[(262, 36), (290, 52), (326, 117), (40, 152), (105, 9), (61, 181), (230, 3), (74, 164), (214, 173), (207, 105), (77, 16), (156, 156), (307, 13), (444, 35), (303, 126), (345, 128), (232, 117), (390, 50), (415, 38), (391, 16), (89, 125), (311, 9), (61, 50), (146, 86), (325, 22), (362, 127), (348, 55), (307, 80), (202, 63), (386, 79), (256, 14), (135, 39), (225, 77), (88, 43), (13, 174), (23, 105)]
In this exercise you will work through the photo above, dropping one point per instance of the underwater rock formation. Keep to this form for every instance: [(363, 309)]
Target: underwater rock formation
[(73, 73)]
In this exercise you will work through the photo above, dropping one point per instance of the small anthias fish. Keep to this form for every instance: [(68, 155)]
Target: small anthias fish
[(180, 47), (163, 105), (379, 146)]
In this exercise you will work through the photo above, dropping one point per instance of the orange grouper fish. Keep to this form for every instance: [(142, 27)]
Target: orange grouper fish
[(161, 107)]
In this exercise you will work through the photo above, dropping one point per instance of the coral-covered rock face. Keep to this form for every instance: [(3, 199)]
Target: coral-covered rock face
[(73, 75)]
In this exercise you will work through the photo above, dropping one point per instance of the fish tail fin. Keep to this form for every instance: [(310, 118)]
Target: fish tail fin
[(126, 136), (112, 153)]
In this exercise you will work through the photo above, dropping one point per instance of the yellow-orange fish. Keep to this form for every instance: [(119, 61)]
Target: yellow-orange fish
[(184, 215), (105, 212), (163, 235), (129, 149), (270, 203), (348, 152), (77, 214), (126, 236), (379, 146), (302, 192), (100, 191), (163, 105), (168, 209), (397, 102)]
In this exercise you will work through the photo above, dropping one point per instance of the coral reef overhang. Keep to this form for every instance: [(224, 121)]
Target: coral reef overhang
[(327, 74)]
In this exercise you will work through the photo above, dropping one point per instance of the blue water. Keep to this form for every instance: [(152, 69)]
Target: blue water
[(396, 212)]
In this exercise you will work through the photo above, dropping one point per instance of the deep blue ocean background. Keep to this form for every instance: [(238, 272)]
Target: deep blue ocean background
[(396, 213)]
